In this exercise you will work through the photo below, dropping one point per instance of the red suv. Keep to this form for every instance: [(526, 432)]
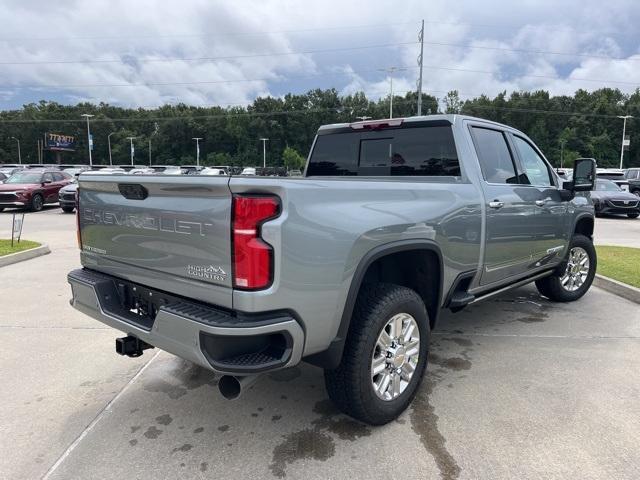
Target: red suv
[(32, 188)]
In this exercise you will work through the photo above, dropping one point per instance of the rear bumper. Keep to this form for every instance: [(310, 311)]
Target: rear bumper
[(226, 342)]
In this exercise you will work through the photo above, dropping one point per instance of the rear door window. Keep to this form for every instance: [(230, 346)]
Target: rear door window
[(409, 151), (494, 155)]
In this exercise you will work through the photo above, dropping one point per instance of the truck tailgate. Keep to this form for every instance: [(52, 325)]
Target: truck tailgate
[(170, 233)]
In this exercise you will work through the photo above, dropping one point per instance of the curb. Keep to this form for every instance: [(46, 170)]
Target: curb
[(617, 288), (24, 255)]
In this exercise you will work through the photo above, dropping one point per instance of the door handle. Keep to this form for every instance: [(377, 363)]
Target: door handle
[(496, 204)]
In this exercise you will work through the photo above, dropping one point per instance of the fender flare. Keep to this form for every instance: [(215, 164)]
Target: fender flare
[(579, 218), (331, 357)]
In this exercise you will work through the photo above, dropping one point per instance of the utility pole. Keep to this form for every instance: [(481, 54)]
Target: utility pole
[(131, 139), (421, 38), (391, 71), (197, 139), (625, 142), (562, 143), (109, 142), (19, 155), (89, 141), (264, 152)]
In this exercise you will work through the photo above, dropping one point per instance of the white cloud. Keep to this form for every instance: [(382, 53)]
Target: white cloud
[(140, 31)]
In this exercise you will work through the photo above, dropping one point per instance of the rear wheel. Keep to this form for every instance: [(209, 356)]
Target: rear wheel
[(574, 276), (633, 215), (67, 209), (385, 355), (37, 202)]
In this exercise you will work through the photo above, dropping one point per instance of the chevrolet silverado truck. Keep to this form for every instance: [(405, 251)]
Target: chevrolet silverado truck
[(346, 267)]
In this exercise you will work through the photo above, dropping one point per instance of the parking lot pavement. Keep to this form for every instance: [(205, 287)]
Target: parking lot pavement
[(517, 387), (617, 230)]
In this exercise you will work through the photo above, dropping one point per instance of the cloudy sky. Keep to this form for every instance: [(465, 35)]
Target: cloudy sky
[(146, 53)]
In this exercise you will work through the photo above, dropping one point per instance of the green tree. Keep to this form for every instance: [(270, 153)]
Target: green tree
[(292, 159), (452, 102)]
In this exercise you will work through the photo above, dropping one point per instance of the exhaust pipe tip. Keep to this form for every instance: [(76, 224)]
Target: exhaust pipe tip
[(231, 387)]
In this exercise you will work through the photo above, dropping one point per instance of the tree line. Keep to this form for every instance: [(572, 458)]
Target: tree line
[(564, 127)]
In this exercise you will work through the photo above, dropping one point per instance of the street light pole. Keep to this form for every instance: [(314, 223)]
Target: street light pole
[(197, 139), (391, 71), (19, 155), (562, 143), (264, 152), (109, 142), (624, 132), (88, 116), (131, 139)]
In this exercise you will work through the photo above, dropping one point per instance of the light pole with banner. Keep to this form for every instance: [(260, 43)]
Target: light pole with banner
[(625, 139), (89, 137), (133, 151), (197, 139)]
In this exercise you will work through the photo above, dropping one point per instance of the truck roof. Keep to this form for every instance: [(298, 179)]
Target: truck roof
[(448, 118)]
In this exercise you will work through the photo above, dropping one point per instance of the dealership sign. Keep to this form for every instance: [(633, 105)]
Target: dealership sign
[(56, 141)]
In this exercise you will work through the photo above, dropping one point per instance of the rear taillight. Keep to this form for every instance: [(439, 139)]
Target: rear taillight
[(252, 256), (79, 238)]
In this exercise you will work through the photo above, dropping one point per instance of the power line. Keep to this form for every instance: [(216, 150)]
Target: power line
[(203, 35), (534, 52), (244, 80), (202, 82), (130, 58), (202, 59)]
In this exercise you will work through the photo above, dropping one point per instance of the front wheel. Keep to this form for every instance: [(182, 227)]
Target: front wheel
[(633, 215), (574, 276), (37, 202), (385, 355)]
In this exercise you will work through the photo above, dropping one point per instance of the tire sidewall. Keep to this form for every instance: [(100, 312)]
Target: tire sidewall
[(392, 408), (587, 245), (34, 206)]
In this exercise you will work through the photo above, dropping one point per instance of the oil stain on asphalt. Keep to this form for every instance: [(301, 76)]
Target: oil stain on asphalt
[(424, 420), (316, 442)]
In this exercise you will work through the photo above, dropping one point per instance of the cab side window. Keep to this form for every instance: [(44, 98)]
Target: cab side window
[(535, 168), (494, 155)]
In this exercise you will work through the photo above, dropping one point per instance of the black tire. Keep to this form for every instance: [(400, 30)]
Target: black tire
[(67, 209), (633, 215), (551, 286), (350, 385), (37, 202)]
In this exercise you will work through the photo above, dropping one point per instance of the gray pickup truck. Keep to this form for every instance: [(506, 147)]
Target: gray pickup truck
[(347, 267)]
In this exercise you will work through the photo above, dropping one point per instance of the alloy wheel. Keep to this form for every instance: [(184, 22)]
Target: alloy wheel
[(577, 269), (395, 356)]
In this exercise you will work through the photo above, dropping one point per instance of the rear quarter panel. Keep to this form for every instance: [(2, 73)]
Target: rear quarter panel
[(329, 224)]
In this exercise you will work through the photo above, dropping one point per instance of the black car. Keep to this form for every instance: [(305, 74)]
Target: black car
[(609, 198)]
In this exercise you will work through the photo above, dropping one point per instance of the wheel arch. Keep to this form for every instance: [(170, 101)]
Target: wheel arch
[(388, 263), (584, 226)]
